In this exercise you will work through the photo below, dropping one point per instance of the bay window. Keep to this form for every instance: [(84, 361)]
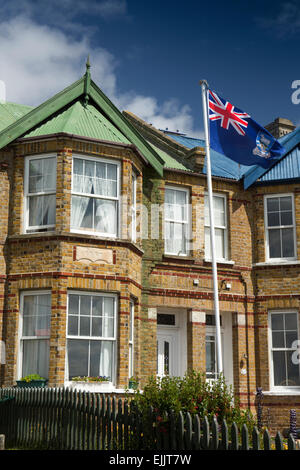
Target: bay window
[(176, 221), (35, 333), (280, 227), (91, 335), (40, 193), (95, 196)]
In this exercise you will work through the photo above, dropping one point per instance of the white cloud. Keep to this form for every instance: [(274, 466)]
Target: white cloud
[(37, 61)]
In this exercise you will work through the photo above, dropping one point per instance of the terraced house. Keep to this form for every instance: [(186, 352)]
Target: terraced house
[(105, 252)]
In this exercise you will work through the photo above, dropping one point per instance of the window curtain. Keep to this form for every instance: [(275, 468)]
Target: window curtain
[(107, 332)]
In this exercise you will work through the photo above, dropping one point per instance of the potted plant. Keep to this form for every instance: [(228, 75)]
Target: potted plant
[(32, 380), (133, 383)]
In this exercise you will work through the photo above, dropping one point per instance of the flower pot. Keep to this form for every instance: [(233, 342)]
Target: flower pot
[(133, 385), (32, 383)]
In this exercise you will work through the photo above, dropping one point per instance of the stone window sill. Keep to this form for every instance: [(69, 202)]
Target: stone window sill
[(277, 263), (230, 262), (286, 392)]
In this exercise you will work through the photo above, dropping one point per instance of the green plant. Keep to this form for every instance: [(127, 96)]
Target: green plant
[(100, 378), (192, 393), (29, 378)]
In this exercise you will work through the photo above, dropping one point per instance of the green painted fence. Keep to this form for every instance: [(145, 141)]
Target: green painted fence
[(63, 419)]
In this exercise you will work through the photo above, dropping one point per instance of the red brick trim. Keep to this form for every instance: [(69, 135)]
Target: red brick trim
[(63, 275)]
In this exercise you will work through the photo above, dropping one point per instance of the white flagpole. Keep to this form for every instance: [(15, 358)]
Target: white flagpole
[(204, 86)]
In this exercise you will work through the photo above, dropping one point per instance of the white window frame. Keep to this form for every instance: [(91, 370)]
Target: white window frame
[(27, 195), (271, 349), (270, 196), (131, 339), (94, 338), (22, 338), (133, 205), (224, 228), (186, 222), (112, 198)]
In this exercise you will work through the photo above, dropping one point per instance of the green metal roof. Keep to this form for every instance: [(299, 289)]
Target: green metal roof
[(11, 112), (100, 111), (81, 120), (170, 162)]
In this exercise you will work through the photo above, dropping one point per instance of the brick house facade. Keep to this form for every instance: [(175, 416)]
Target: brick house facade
[(104, 255)]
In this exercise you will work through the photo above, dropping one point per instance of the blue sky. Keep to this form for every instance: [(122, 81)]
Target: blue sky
[(149, 56)]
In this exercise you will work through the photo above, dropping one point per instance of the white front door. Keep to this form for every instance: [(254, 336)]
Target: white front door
[(167, 353)]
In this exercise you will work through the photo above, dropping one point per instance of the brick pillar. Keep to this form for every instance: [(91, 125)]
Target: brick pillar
[(244, 358), (196, 340)]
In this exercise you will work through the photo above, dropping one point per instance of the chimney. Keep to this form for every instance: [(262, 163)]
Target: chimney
[(280, 127), (196, 157)]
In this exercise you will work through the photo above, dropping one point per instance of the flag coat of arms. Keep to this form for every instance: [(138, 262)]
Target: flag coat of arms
[(235, 134)]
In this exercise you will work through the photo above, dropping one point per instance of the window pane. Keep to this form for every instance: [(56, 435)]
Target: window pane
[(36, 315), (73, 304), (286, 203), (85, 305), (106, 359), (42, 175), (219, 211), (290, 337), (219, 243), (278, 339), (106, 216), (277, 321), (291, 321), (273, 204), (42, 210), (97, 326), (78, 351), (84, 326), (279, 364), (210, 356), (287, 242), (274, 243), (97, 306), (73, 325), (108, 317), (286, 218), (36, 357), (81, 212), (95, 351), (292, 370), (273, 219)]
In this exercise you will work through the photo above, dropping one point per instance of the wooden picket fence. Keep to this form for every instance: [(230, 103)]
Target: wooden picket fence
[(64, 419)]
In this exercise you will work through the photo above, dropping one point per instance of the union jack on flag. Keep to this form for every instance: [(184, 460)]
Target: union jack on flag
[(235, 134), (226, 113)]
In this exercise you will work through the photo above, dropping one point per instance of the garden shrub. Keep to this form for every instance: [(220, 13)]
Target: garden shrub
[(194, 394)]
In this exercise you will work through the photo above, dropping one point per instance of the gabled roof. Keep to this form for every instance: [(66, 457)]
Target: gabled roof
[(60, 110), (81, 120)]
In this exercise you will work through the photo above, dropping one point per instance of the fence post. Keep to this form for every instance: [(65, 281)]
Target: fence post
[(293, 423)]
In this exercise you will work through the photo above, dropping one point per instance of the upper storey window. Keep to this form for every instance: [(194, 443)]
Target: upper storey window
[(95, 196), (40, 193), (280, 227), (220, 224), (176, 221)]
